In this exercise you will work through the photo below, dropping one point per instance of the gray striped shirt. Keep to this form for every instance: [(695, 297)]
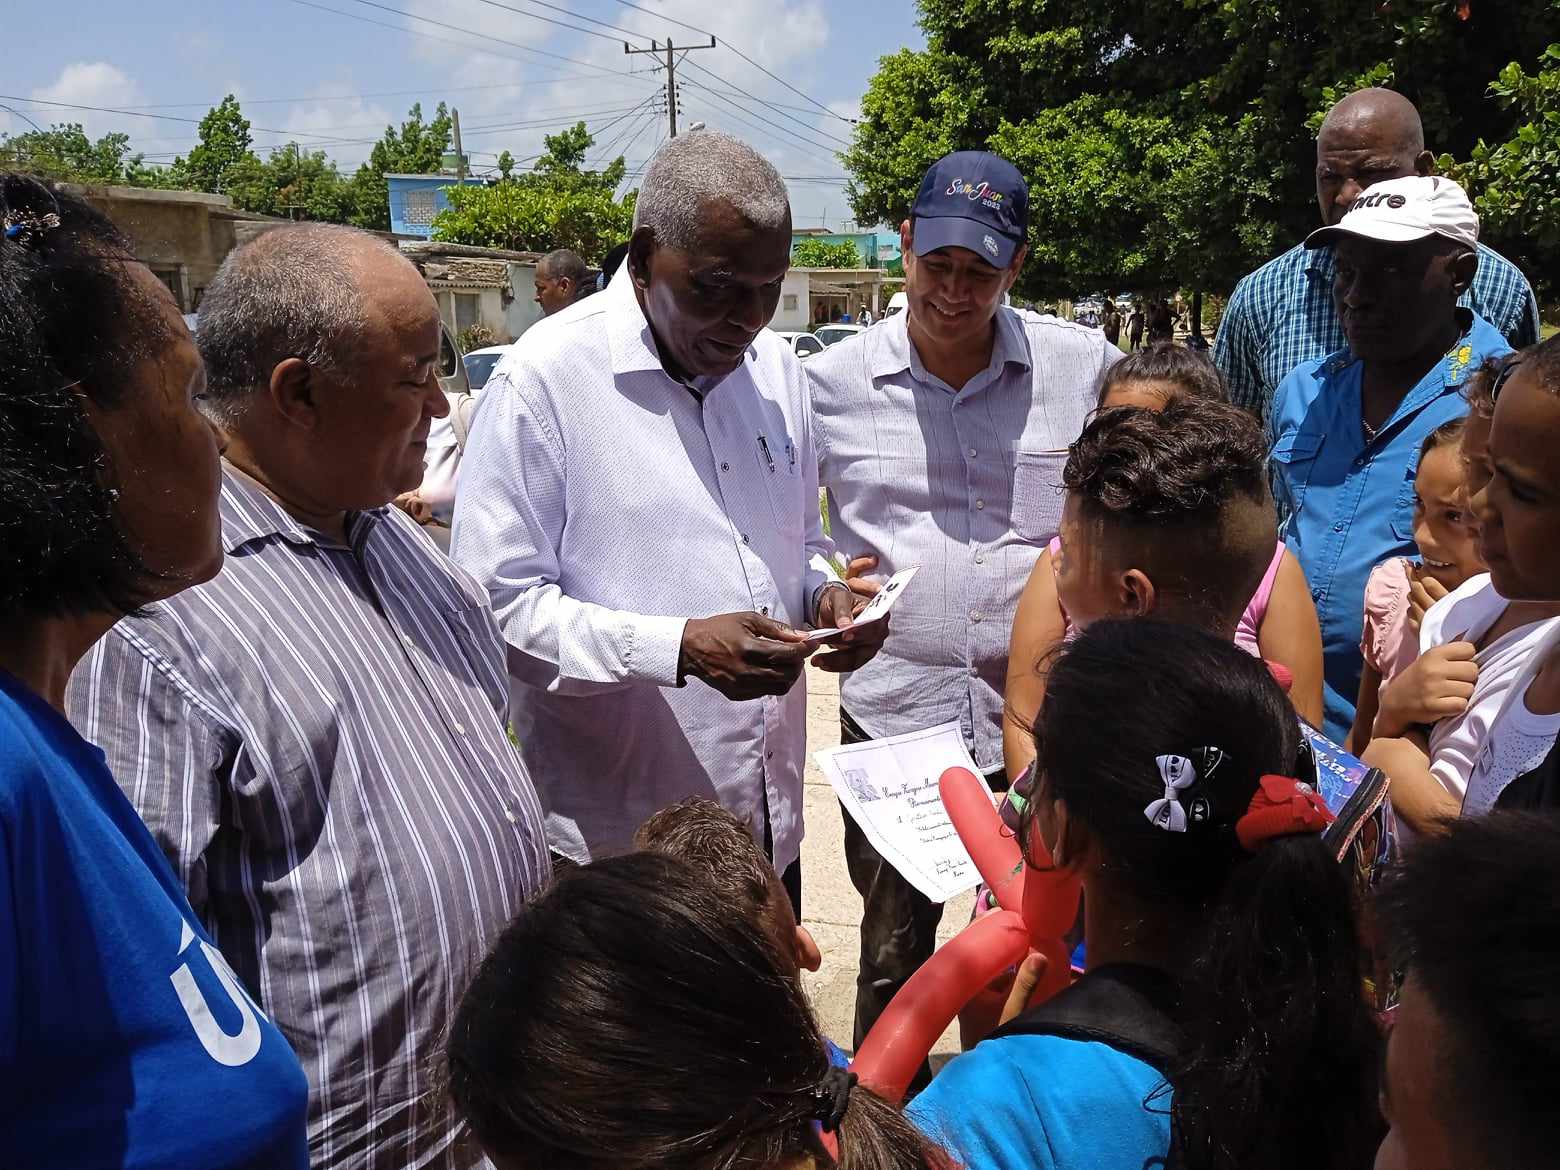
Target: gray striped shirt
[(316, 739), (965, 484)]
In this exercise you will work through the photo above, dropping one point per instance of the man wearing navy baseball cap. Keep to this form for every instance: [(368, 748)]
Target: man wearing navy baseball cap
[(941, 435)]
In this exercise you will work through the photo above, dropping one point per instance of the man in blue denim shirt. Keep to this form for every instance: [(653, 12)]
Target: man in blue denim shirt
[(1347, 428)]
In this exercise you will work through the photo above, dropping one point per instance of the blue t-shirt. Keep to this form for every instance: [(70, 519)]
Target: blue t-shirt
[(1349, 500), (125, 1039), (1047, 1103)]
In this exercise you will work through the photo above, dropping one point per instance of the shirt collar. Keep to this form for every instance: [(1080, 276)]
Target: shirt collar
[(631, 342), (250, 514), (893, 352), (1320, 261)]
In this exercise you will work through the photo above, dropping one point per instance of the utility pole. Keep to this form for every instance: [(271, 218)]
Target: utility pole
[(460, 155), (671, 71)]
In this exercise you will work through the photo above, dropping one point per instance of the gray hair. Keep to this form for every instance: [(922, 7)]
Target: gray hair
[(705, 165), (291, 292), (564, 263)]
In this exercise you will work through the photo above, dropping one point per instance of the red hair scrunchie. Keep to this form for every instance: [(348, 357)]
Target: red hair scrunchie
[(1281, 807)]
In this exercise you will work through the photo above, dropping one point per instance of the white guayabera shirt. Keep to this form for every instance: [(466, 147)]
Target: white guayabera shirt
[(603, 504)]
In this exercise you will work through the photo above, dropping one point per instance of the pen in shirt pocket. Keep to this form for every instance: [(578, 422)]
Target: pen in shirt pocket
[(790, 454), (763, 448)]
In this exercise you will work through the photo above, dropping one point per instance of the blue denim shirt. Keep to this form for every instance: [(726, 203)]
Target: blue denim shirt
[(1349, 502)]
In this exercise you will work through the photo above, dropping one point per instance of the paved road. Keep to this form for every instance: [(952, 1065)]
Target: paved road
[(831, 907)]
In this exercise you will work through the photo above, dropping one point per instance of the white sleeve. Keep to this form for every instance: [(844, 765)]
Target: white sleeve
[(509, 516)]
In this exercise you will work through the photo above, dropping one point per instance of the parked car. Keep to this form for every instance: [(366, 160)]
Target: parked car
[(802, 344), (481, 362), (830, 334)]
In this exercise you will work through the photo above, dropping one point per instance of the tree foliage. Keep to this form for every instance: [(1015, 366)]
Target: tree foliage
[(417, 148), (1171, 142), (1518, 180), (809, 253), (222, 154), (64, 152), (558, 204)]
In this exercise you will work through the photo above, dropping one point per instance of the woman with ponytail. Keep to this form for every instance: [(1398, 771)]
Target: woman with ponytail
[(1220, 1023), (628, 1019)]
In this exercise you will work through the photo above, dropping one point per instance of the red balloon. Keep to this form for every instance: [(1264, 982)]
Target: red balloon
[(995, 853), (904, 1034)]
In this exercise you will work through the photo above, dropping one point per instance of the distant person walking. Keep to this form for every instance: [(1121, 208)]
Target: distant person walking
[(1110, 321), (1135, 326), (1161, 324)]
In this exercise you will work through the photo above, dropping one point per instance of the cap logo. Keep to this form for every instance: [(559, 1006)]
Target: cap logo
[(973, 191), (991, 245), (1393, 201)]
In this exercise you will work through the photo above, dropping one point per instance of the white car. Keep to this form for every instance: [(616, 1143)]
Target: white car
[(830, 334), (802, 344), (481, 362)]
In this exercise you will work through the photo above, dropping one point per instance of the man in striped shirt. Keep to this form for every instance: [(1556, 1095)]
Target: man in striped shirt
[(316, 737), (1282, 314)]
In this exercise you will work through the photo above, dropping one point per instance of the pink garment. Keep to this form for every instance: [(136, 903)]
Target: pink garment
[(1250, 621), (1387, 641), (1256, 609)]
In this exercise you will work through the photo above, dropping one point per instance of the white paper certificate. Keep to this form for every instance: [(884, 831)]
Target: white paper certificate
[(889, 786), (876, 608)]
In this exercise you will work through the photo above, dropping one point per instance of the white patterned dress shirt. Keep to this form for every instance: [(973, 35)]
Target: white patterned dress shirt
[(964, 484), (603, 504)]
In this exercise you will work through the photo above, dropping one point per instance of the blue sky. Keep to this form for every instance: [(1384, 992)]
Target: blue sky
[(333, 81)]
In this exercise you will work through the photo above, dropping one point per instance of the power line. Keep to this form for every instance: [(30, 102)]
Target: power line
[(560, 23), (760, 101), (743, 110), (164, 117), (705, 32), (453, 28), (425, 92)]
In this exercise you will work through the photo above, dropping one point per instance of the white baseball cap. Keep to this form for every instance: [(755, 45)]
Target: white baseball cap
[(1400, 211)]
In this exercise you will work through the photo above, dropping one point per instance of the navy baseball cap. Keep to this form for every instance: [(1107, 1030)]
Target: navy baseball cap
[(975, 200)]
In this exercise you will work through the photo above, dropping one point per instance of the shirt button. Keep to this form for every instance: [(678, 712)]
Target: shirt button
[(744, 538), (764, 610), (509, 815), (980, 558), (1337, 527), (974, 615), (973, 453), (725, 467), (460, 729), (974, 673), (980, 504)]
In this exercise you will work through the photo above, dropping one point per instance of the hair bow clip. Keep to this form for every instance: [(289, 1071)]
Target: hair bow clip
[(1167, 812)]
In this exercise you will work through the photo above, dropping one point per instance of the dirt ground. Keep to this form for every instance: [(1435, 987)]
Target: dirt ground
[(831, 908)]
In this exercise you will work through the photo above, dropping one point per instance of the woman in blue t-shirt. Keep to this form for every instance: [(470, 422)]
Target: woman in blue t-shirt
[(125, 1040), (1221, 1023)]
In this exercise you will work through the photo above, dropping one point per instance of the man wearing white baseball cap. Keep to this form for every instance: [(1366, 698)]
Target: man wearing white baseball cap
[(1347, 428)]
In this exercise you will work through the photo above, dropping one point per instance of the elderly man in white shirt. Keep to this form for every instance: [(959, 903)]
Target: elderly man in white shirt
[(641, 460)]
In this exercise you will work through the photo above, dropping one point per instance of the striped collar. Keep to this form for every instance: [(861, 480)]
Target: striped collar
[(893, 352), (250, 514)]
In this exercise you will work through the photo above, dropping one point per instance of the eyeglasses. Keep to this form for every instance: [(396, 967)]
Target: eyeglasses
[(1503, 376)]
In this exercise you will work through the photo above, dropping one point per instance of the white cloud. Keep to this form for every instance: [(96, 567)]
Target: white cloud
[(84, 83), (358, 120)]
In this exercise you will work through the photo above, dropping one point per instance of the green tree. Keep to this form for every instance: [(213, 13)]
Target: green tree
[(559, 204), (1169, 142), (1518, 199), (811, 253), (417, 148), (222, 152), (294, 184), (64, 152), (506, 165)]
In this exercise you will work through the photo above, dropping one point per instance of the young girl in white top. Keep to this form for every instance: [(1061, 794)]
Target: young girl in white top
[(1490, 646)]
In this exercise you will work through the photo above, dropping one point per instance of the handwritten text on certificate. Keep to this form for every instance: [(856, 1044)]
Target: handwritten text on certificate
[(889, 786)]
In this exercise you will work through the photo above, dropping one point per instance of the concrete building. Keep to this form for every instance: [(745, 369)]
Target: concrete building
[(479, 286), (182, 236), (816, 296), (876, 248)]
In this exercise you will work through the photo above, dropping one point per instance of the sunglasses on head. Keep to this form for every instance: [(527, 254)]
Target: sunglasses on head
[(1503, 376)]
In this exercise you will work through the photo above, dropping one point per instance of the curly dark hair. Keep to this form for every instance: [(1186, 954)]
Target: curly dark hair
[(1167, 481), (1188, 371), (72, 324)]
